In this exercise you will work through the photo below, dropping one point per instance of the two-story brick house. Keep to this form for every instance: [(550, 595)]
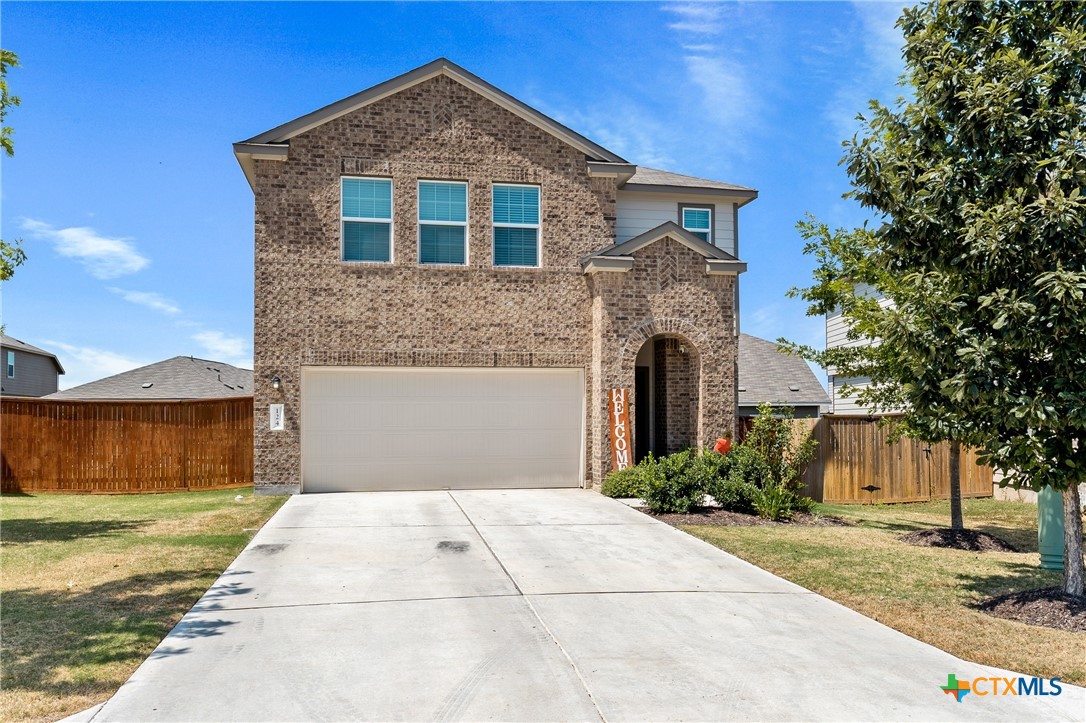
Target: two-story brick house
[(448, 284)]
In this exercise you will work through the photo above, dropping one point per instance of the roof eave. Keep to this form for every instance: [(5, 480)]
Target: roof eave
[(747, 194), (613, 264), (246, 152)]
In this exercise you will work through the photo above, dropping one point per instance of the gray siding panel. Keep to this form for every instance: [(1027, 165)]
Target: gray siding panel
[(35, 375)]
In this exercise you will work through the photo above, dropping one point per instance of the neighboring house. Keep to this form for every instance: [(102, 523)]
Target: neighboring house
[(181, 377), (837, 336), (28, 371), (767, 375), (449, 284)]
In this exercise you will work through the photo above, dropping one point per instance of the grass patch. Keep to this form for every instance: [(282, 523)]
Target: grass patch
[(92, 583), (924, 592)]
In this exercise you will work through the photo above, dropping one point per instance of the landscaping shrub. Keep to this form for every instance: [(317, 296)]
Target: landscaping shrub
[(733, 494), (629, 482), (673, 483), (774, 502)]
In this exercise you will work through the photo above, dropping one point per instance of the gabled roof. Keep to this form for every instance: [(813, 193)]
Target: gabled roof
[(10, 342), (652, 179), (182, 377), (272, 143), (616, 257), (769, 375)]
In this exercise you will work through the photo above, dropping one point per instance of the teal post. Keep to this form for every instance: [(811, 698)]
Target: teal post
[(1050, 528)]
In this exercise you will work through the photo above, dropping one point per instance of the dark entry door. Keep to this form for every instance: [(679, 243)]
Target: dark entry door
[(642, 413)]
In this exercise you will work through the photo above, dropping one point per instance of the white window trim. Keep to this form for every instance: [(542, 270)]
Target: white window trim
[(464, 223), (391, 229), (537, 226), (699, 207), (10, 365)]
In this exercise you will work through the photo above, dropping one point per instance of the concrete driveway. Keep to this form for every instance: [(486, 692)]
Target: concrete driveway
[(530, 605)]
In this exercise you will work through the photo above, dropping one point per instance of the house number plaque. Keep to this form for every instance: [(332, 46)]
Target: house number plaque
[(275, 417), (618, 405)]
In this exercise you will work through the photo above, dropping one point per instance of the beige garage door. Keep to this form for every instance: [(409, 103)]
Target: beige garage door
[(394, 428)]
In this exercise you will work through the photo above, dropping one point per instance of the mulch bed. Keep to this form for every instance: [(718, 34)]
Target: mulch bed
[(723, 518), (971, 540), (1049, 608)]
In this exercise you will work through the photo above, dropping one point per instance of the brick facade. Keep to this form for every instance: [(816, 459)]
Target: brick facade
[(313, 309)]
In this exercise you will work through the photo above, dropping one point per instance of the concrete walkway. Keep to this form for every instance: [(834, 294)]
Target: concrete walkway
[(530, 605)]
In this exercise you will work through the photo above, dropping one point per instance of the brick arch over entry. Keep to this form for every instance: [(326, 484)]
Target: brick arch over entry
[(680, 328)]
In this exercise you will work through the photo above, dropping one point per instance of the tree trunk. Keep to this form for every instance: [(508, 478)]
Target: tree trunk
[(956, 522), (1072, 542)]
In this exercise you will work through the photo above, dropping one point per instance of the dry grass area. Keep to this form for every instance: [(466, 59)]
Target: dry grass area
[(925, 592), (92, 583)]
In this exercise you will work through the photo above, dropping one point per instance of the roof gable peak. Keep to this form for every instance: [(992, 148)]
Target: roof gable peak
[(273, 143)]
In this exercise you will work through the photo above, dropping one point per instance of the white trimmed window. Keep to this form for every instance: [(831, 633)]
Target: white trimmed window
[(366, 219), (443, 222), (698, 220), (11, 365), (515, 213)]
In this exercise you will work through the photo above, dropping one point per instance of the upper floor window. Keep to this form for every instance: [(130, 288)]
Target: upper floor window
[(516, 225), (11, 365), (443, 222), (698, 220), (366, 219)]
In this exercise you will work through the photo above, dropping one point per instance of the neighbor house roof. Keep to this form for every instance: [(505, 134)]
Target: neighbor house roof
[(13, 343), (182, 377), (274, 144), (769, 375)]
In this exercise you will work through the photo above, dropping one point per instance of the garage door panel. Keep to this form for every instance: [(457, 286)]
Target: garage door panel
[(398, 428)]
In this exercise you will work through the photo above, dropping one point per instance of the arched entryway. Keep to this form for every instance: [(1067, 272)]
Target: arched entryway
[(667, 377)]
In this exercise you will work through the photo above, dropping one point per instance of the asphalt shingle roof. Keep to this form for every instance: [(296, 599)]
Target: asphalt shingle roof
[(768, 375), (181, 377), (656, 177), (13, 343)]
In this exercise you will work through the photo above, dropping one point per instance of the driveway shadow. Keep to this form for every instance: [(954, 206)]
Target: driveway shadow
[(115, 622)]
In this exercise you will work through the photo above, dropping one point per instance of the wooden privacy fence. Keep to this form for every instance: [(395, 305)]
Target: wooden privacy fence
[(125, 446), (853, 454)]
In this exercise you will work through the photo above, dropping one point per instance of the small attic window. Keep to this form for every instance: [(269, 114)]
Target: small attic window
[(147, 385)]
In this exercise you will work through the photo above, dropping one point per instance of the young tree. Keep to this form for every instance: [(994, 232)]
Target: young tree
[(876, 304), (978, 180), (11, 255)]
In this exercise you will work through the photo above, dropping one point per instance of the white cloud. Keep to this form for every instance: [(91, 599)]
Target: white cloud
[(150, 299), (84, 364), (725, 92), (701, 18), (644, 142), (103, 257), (225, 347), (711, 66), (876, 76)]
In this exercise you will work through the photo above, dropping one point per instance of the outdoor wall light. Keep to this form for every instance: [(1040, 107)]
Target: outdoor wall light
[(276, 382)]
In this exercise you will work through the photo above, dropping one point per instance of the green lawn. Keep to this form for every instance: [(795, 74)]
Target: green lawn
[(922, 591), (92, 583)]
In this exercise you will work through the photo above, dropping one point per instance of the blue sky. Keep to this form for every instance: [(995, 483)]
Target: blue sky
[(137, 219)]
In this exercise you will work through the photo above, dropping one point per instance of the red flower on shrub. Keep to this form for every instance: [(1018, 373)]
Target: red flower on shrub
[(723, 445)]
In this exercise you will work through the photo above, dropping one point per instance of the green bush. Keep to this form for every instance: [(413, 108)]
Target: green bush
[(673, 483), (629, 482), (733, 494), (774, 502)]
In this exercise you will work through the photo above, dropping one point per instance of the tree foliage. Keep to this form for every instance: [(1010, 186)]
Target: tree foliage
[(977, 181), (11, 254)]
